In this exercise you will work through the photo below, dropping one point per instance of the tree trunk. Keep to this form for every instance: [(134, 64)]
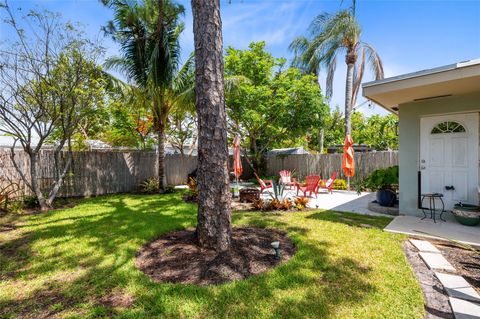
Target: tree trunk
[(214, 217), (161, 155), (44, 206), (348, 98), (321, 135)]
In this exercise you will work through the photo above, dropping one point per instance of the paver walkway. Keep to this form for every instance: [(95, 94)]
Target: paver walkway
[(464, 300)]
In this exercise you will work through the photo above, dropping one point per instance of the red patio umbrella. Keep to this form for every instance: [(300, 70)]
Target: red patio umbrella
[(237, 161), (348, 162)]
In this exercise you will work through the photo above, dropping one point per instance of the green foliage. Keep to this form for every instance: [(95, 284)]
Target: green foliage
[(340, 184), (384, 178), (150, 186), (278, 190), (276, 107), (377, 131)]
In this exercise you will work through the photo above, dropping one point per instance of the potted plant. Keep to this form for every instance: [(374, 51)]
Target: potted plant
[(385, 182)]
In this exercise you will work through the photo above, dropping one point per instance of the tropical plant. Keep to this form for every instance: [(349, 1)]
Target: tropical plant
[(278, 190), (148, 33), (383, 179), (330, 36), (149, 186), (301, 202)]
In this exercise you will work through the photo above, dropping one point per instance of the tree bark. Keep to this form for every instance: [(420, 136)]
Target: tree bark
[(348, 99), (321, 135), (161, 156), (214, 213)]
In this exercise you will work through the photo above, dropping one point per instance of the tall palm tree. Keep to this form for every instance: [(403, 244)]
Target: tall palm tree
[(148, 33), (214, 212), (330, 36)]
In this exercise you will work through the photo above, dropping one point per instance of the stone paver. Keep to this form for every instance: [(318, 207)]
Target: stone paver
[(424, 246), (458, 287), (463, 309), (436, 261)]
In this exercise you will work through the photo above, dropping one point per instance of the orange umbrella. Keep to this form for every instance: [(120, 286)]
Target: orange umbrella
[(237, 161), (348, 163)]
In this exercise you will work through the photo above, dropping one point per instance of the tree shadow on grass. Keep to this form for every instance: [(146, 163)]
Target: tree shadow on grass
[(82, 255), (352, 219)]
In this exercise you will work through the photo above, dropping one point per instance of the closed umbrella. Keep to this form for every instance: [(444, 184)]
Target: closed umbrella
[(237, 161), (348, 162)]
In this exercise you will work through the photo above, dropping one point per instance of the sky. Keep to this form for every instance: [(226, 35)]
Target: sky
[(409, 35)]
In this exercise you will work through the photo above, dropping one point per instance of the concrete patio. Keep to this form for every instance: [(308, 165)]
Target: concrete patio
[(451, 229), (342, 201)]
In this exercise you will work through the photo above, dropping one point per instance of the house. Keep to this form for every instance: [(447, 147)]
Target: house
[(287, 151), (438, 113)]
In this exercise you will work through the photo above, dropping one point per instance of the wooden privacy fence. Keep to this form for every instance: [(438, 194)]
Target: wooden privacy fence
[(325, 164), (100, 172), (109, 172)]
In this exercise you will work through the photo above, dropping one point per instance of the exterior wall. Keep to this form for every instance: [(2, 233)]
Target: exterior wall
[(409, 140)]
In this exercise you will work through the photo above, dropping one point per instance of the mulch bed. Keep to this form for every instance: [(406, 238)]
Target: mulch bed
[(466, 262), (176, 258), (436, 299)]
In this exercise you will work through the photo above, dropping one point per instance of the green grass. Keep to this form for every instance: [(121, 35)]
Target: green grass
[(66, 263)]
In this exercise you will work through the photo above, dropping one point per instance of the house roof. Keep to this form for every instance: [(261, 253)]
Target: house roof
[(287, 151), (452, 79)]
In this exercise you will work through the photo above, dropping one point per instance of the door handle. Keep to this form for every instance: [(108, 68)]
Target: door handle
[(450, 188)]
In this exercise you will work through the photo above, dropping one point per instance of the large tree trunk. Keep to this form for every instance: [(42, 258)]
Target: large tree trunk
[(161, 156), (214, 220), (348, 98), (44, 206)]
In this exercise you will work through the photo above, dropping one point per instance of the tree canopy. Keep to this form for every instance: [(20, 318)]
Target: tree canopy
[(274, 105)]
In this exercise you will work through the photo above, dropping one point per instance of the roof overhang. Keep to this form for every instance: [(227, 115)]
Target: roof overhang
[(453, 79)]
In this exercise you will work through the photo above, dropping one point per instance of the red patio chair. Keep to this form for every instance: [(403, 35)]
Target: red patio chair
[(329, 183), (264, 183), (286, 178), (311, 185)]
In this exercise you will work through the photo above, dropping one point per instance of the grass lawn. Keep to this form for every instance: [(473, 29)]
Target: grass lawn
[(79, 263)]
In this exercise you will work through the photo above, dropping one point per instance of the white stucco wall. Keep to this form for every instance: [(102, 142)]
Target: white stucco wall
[(409, 139)]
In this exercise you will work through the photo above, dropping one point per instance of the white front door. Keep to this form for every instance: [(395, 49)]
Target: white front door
[(449, 157)]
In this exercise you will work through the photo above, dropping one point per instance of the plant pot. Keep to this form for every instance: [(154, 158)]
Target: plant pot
[(386, 197), (465, 214)]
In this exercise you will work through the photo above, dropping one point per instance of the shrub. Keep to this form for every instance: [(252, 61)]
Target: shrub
[(150, 186), (301, 202), (340, 184), (30, 201), (380, 179)]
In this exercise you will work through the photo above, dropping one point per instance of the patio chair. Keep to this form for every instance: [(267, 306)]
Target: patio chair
[(286, 179), (264, 183), (329, 183), (310, 186)]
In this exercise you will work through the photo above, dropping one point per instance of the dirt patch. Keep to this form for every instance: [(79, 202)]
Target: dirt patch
[(176, 258), (466, 262), (436, 299), (117, 299)]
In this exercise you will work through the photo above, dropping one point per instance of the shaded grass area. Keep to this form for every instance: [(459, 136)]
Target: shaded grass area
[(79, 263)]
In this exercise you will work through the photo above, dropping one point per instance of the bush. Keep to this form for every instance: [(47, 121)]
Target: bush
[(340, 184), (380, 179), (150, 186), (30, 201)]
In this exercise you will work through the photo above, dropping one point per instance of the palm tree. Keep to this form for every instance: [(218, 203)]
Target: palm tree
[(331, 36), (148, 33), (214, 213)]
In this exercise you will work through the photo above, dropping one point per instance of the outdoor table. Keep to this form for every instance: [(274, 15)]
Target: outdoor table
[(431, 198)]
